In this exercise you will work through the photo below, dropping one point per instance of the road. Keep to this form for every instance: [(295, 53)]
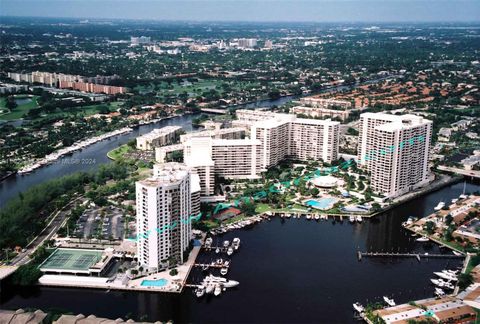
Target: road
[(46, 234), (468, 173)]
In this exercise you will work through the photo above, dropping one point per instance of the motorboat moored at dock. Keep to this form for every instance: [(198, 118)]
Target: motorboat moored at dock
[(439, 206), (389, 301), (358, 307)]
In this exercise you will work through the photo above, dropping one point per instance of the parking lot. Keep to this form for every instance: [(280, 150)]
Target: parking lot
[(101, 223)]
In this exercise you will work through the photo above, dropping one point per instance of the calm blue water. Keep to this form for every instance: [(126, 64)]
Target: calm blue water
[(290, 271), (23, 101), (155, 283), (322, 203)]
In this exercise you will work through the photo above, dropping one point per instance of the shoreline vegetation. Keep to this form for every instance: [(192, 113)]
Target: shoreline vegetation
[(24, 216), (75, 147)]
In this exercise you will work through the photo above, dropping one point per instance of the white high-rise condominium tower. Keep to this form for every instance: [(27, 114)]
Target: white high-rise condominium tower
[(163, 212), (286, 136), (395, 150)]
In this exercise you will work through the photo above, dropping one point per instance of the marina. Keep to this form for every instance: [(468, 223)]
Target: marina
[(283, 242), (418, 256)]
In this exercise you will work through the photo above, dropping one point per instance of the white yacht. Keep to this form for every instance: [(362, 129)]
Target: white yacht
[(422, 239), (359, 219), (358, 307), (446, 276), (211, 279), (439, 292), (442, 284), (439, 206), (218, 290), (200, 291), (389, 301), (223, 271), (226, 243), (309, 216), (236, 243), (450, 272), (454, 200), (229, 251), (209, 288), (351, 219), (217, 250), (317, 217)]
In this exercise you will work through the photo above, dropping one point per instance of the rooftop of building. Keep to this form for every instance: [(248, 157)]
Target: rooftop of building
[(166, 173), (21, 316), (397, 122), (160, 131), (92, 319), (441, 310)]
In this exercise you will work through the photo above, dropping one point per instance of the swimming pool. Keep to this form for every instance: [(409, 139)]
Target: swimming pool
[(155, 283), (323, 203)]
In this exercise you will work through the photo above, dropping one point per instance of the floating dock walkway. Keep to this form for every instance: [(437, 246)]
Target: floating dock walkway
[(418, 256)]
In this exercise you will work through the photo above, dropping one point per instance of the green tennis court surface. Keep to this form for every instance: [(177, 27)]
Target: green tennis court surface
[(71, 259)]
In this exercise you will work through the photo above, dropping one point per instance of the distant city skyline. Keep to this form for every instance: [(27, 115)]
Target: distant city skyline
[(252, 10)]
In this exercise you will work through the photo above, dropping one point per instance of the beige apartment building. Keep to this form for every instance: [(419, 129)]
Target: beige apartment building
[(395, 150), (158, 137)]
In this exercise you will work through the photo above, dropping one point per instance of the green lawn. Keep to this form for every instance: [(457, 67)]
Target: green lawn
[(83, 110), (197, 88), (118, 152), (262, 208), (19, 111)]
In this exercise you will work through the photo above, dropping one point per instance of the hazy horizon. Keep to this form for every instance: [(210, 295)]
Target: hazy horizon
[(375, 11)]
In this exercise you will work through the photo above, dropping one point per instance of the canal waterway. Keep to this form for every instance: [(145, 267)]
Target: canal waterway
[(290, 271), (93, 156)]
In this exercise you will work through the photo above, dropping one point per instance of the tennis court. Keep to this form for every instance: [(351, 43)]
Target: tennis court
[(71, 260)]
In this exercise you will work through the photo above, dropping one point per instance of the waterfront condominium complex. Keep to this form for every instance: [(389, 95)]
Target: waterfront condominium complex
[(163, 200), (286, 136), (273, 137), (159, 137), (226, 158), (395, 150)]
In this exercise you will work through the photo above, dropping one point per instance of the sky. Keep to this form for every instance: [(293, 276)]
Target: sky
[(252, 10)]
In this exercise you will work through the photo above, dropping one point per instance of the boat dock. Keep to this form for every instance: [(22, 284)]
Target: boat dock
[(213, 248), (418, 256), (219, 266)]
